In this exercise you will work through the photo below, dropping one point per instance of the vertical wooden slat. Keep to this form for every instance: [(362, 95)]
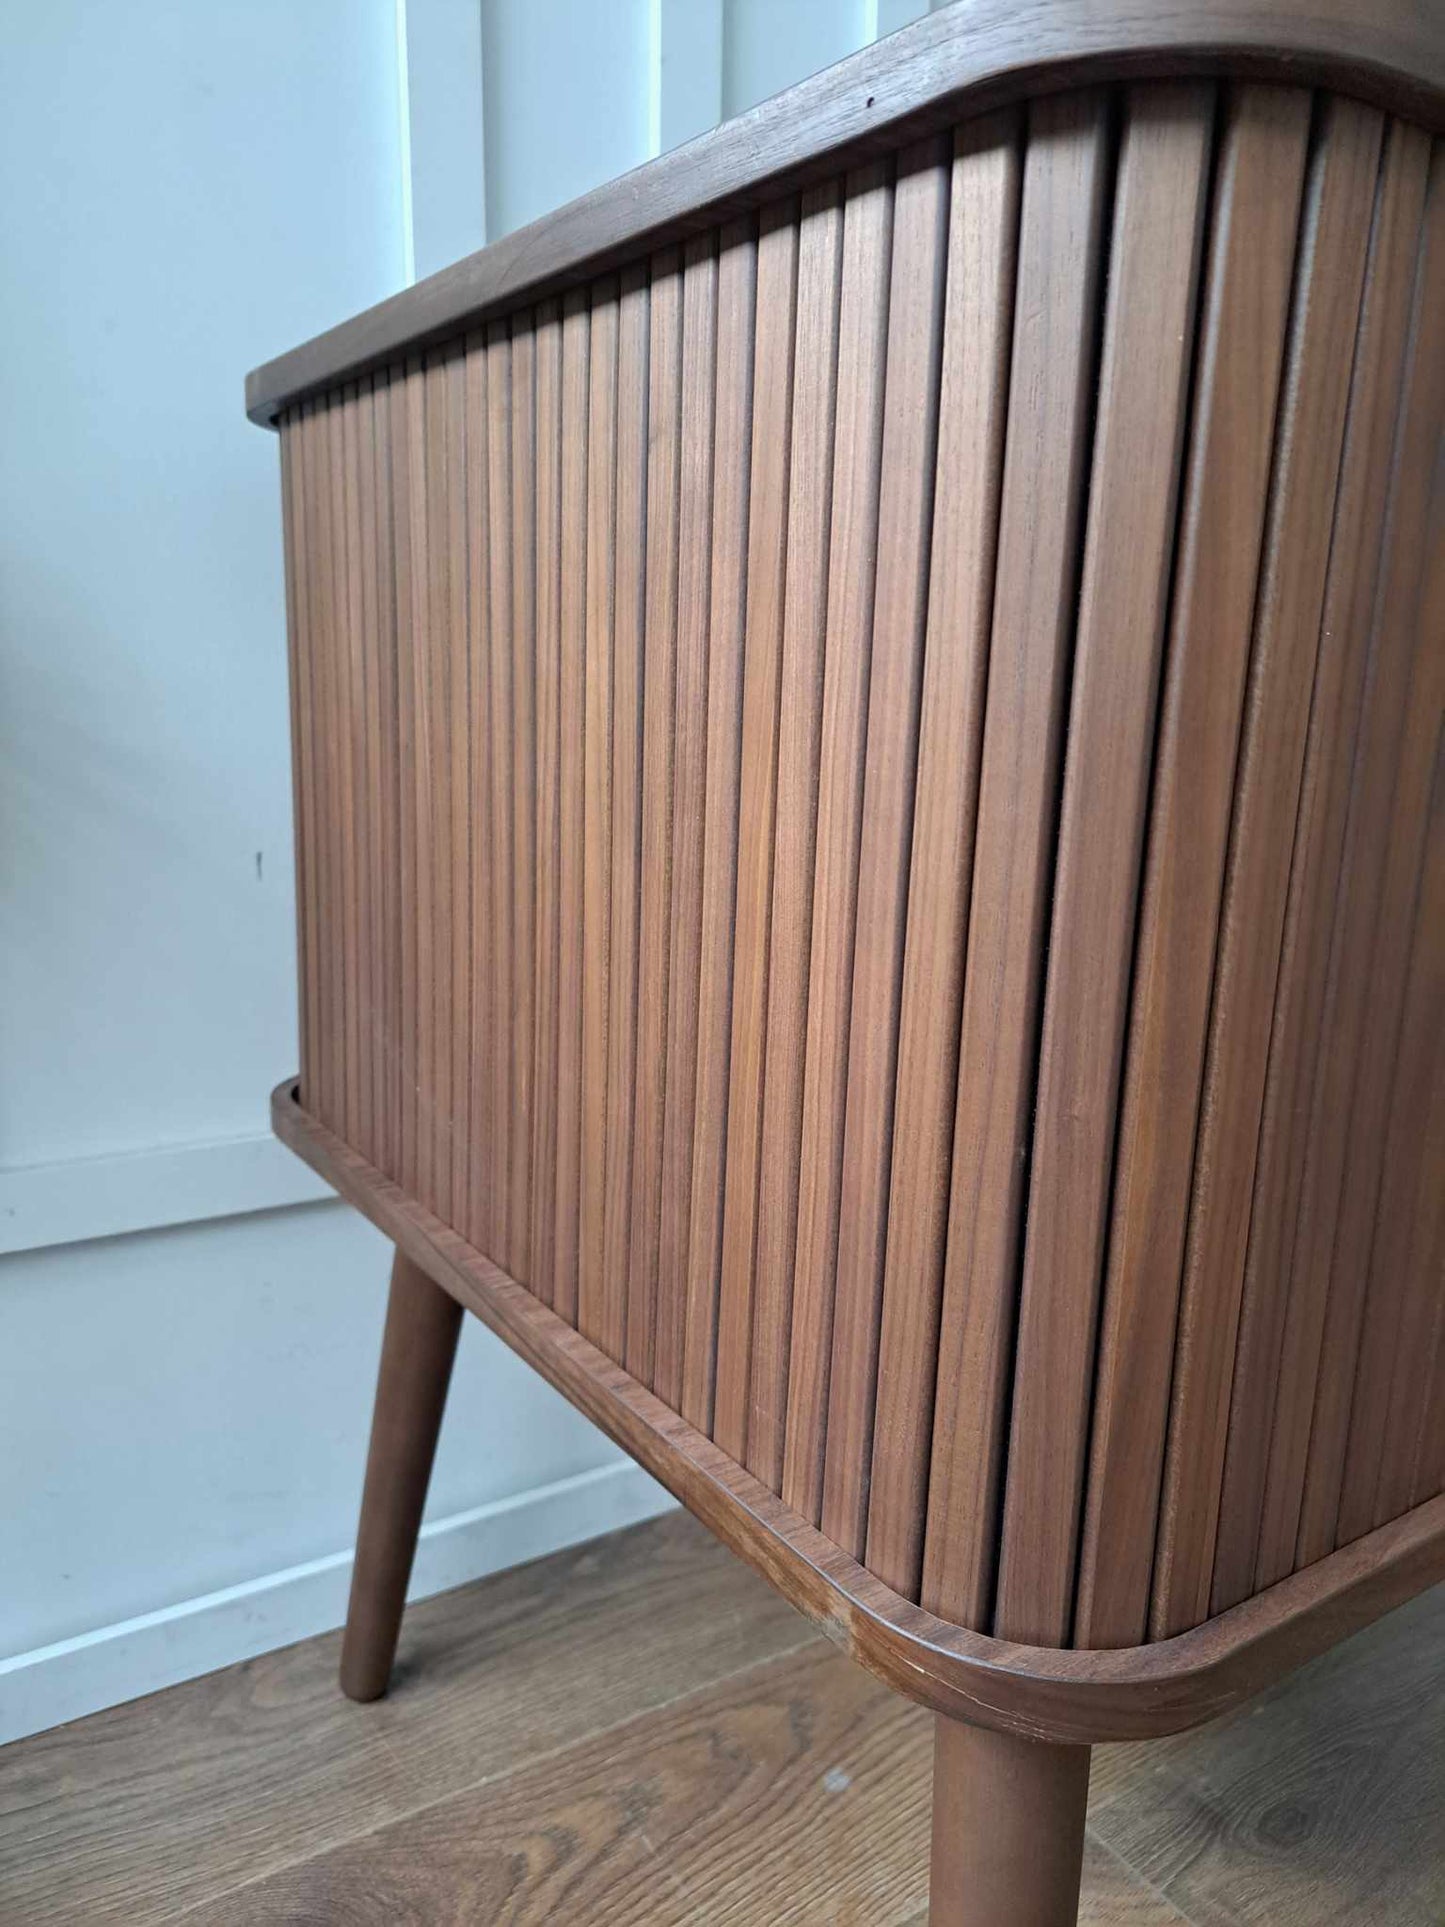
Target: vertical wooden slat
[(1296, 1037), (664, 442), (369, 774), (915, 304), (576, 326), (1338, 199), (523, 528), (437, 681), (1050, 391), (628, 626), (852, 558), (1367, 962), (455, 1003), (481, 1204), (701, 372), (1128, 559), (1407, 1259), (407, 1043), (805, 615), (972, 407), (736, 292), (389, 728), (1245, 306), (419, 379), (359, 985), (346, 581), (547, 1017), (324, 748), (599, 1317), (715, 1384), (496, 827)]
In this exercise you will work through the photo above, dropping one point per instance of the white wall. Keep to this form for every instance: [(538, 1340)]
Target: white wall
[(190, 190)]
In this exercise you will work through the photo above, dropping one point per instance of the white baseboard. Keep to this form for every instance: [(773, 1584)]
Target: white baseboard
[(53, 1684)]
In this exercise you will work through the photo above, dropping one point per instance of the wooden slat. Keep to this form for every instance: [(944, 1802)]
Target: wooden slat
[(736, 293), (1297, 1037), (546, 1010), (600, 1314), (628, 628), (715, 1385), (972, 407), (455, 1004), (571, 868), (810, 482), (1407, 1259), (481, 1202), (704, 374), (497, 823), (1143, 384), (346, 580), (423, 843), (1339, 198), (664, 449), (400, 413), (910, 425), (1050, 394), (522, 522), (435, 669), (852, 556), (358, 727), (1368, 961), (1244, 306), (369, 772), (389, 731)]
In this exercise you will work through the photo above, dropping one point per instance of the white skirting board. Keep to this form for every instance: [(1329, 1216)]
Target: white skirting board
[(53, 1684)]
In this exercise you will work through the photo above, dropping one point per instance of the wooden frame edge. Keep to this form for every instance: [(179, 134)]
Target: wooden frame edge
[(968, 58), (1040, 1692)]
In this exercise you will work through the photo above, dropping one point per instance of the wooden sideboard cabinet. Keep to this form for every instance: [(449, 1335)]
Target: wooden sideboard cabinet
[(870, 815)]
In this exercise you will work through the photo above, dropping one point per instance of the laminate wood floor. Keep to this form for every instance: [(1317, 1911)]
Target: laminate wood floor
[(639, 1731)]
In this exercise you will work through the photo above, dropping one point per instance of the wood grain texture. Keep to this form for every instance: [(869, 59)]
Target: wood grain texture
[(1297, 1039), (905, 511), (1051, 382), (1339, 196), (864, 781), (1153, 274), (973, 400), (138, 1814), (852, 560), (1244, 305), (717, 1369)]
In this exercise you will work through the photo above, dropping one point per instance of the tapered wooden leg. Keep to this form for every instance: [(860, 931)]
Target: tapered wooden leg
[(417, 1350), (1008, 1829)]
